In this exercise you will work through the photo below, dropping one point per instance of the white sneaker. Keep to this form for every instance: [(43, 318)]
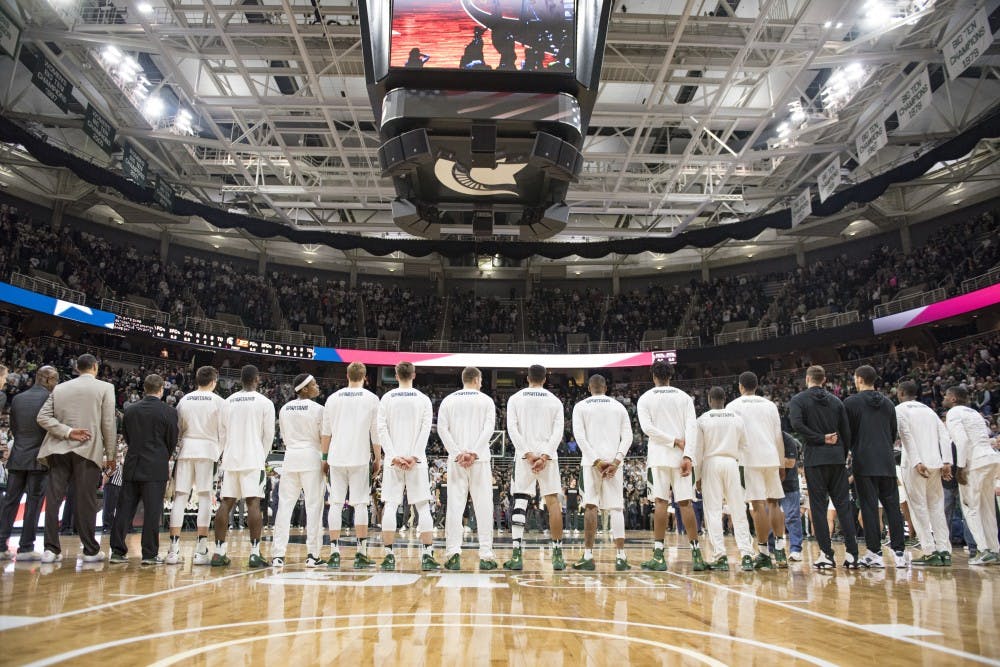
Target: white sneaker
[(978, 560), (312, 561), (96, 558), (173, 558), (278, 561), (901, 560), (822, 562), (202, 558), (872, 560), (51, 557), (28, 556), (6, 554), (795, 556)]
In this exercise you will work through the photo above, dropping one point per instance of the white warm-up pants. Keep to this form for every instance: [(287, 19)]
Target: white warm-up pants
[(720, 484), (925, 496), (980, 506), (477, 481), (311, 483)]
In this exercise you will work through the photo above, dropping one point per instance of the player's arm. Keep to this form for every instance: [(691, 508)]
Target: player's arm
[(907, 441), (514, 426), (690, 422), (558, 430), (580, 432), (326, 431), (845, 430), (646, 422), (625, 435), (444, 430), (692, 450), (220, 417), (944, 442), (424, 435), (779, 437), (383, 433), (956, 429), (373, 434), (797, 419), (482, 446), (268, 430)]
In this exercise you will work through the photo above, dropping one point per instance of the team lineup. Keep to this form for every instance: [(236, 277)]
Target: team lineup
[(734, 454)]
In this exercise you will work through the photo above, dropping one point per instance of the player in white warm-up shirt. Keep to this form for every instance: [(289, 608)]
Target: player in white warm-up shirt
[(603, 430), (666, 415), (405, 416), (249, 427), (926, 460), (763, 460), (719, 436), (301, 422), (201, 434), (535, 423), (466, 421), (350, 435), (979, 467)]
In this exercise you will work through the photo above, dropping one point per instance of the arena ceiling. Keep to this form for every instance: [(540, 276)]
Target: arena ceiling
[(709, 112)]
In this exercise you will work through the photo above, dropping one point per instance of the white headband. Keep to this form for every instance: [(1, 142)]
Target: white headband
[(302, 385)]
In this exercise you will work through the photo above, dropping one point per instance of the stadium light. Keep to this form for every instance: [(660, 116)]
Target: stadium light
[(144, 8), (153, 108)]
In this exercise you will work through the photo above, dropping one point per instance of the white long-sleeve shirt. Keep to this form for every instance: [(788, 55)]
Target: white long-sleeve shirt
[(350, 418), (201, 427), (249, 424), (716, 433), (765, 446), (301, 423), (602, 428), (466, 420), (535, 422), (404, 424), (665, 414), (971, 437), (923, 435)]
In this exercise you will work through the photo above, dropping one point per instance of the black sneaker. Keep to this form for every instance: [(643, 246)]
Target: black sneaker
[(155, 560)]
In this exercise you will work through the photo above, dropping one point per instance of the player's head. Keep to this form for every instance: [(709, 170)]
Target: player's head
[(153, 385), (907, 390), (662, 371), (206, 377), (537, 374), (597, 384), (472, 377), (249, 377), (356, 371), (87, 363), (48, 377), (716, 398), (305, 386), (815, 376), (956, 395), (405, 371), (748, 382), (865, 376)]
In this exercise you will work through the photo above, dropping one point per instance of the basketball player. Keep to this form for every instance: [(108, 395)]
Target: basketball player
[(603, 430), (404, 424), (202, 432), (666, 416), (535, 425), (301, 424), (466, 420), (763, 469), (719, 436), (249, 428), (979, 467), (350, 436), (926, 461)]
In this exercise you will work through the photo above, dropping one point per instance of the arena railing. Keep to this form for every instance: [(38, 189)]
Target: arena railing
[(129, 309), (518, 347), (670, 343), (597, 347), (47, 287), (217, 327), (289, 337), (365, 343), (991, 277), (748, 335), (826, 322), (911, 301)]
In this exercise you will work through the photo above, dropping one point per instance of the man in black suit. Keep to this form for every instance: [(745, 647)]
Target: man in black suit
[(150, 431), (26, 474)]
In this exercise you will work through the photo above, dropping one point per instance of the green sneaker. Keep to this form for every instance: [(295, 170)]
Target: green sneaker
[(117, 558), (487, 564), (333, 562), (255, 562), (763, 562), (362, 562), (697, 561), (515, 562), (621, 564), (454, 563), (389, 563), (428, 564), (657, 563), (929, 560), (557, 559), (945, 558), (720, 564), (780, 559), (747, 564), (990, 558), (218, 560), (585, 564)]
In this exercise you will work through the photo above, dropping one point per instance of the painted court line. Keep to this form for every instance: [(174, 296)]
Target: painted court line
[(840, 621)]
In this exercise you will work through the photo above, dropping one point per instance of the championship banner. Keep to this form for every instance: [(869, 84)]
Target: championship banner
[(163, 195), (52, 83), (871, 139), (99, 129), (968, 44), (829, 179), (9, 34), (134, 166), (801, 207)]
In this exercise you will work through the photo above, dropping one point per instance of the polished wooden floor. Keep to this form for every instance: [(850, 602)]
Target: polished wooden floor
[(71, 613)]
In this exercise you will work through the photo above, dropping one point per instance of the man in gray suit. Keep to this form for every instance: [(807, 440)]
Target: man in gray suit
[(79, 417), (26, 474)]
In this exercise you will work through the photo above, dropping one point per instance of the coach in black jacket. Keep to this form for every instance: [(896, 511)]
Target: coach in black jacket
[(873, 433), (150, 431), (26, 474), (819, 418)]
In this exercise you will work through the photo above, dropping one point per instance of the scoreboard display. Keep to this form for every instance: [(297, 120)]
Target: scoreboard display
[(217, 341)]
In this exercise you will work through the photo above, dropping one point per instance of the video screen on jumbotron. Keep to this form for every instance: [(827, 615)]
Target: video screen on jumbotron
[(479, 35)]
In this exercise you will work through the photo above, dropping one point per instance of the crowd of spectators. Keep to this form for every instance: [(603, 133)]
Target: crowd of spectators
[(554, 313), (474, 317)]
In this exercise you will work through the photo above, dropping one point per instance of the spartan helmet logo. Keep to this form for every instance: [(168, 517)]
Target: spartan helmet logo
[(478, 182)]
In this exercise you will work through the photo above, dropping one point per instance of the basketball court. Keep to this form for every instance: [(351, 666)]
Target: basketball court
[(71, 613)]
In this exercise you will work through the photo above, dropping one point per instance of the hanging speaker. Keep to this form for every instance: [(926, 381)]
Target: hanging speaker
[(416, 145)]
